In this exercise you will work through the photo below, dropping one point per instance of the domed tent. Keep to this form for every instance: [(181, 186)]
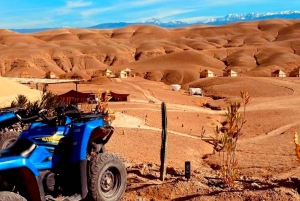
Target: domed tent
[(11, 89), (196, 92), (175, 87)]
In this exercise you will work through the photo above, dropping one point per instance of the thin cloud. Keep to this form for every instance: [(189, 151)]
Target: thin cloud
[(229, 2), (25, 9), (71, 5), (163, 14), (78, 4), (143, 3), (95, 11), (120, 6)]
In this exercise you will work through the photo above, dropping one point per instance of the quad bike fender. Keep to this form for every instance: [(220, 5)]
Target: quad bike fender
[(81, 136), (98, 138), (7, 115), (33, 189), (17, 162), (7, 119)]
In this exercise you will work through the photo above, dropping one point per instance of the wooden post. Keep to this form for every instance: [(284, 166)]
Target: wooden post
[(76, 83), (164, 139)]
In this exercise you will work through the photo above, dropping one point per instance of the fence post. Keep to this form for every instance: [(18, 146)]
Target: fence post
[(164, 139)]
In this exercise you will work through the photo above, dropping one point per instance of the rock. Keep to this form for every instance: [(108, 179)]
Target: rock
[(255, 185)]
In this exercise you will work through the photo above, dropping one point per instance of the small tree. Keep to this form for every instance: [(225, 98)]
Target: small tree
[(227, 137), (102, 105), (297, 149), (21, 101), (103, 99), (48, 101)]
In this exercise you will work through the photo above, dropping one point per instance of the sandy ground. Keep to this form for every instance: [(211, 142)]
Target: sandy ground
[(10, 90), (269, 169)]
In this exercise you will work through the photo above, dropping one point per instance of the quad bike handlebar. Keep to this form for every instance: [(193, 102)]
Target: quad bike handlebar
[(42, 113)]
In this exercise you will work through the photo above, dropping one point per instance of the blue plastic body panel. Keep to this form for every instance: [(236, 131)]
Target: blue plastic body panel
[(17, 162), (7, 118), (81, 136), (55, 145), (4, 116)]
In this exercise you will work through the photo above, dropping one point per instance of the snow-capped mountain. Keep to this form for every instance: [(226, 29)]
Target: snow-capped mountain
[(252, 16), (152, 21), (230, 18)]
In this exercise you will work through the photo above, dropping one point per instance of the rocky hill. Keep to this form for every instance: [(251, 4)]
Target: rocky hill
[(250, 48)]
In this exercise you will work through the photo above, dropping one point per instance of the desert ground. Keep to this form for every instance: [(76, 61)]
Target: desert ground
[(170, 55), (158, 57), (269, 168)]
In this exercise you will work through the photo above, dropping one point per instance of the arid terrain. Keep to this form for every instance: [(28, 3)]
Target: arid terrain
[(169, 55), (269, 168)]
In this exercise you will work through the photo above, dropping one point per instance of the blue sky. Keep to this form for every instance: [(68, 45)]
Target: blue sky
[(84, 13)]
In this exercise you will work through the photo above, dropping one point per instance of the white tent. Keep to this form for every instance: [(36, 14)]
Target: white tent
[(196, 91), (10, 89), (175, 87)]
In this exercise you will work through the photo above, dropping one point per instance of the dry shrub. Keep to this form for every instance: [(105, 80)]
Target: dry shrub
[(297, 149), (227, 138), (102, 105), (85, 107)]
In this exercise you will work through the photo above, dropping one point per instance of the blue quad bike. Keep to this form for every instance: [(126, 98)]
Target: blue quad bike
[(62, 158), (12, 121)]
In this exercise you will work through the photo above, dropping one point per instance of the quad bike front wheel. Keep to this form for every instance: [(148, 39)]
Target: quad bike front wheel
[(8, 138), (10, 196), (107, 177)]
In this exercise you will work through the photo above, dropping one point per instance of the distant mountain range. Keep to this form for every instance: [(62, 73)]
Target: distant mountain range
[(231, 18)]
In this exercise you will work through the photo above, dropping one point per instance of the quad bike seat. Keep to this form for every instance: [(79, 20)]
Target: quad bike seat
[(91, 116), (19, 148), (73, 112)]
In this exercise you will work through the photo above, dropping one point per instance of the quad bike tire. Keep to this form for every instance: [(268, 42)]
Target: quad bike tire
[(10, 196), (107, 177), (8, 138)]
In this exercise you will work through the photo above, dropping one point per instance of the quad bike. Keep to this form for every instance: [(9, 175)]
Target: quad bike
[(12, 121), (62, 158)]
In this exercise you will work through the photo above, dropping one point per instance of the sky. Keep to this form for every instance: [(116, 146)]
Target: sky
[(17, 14)]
